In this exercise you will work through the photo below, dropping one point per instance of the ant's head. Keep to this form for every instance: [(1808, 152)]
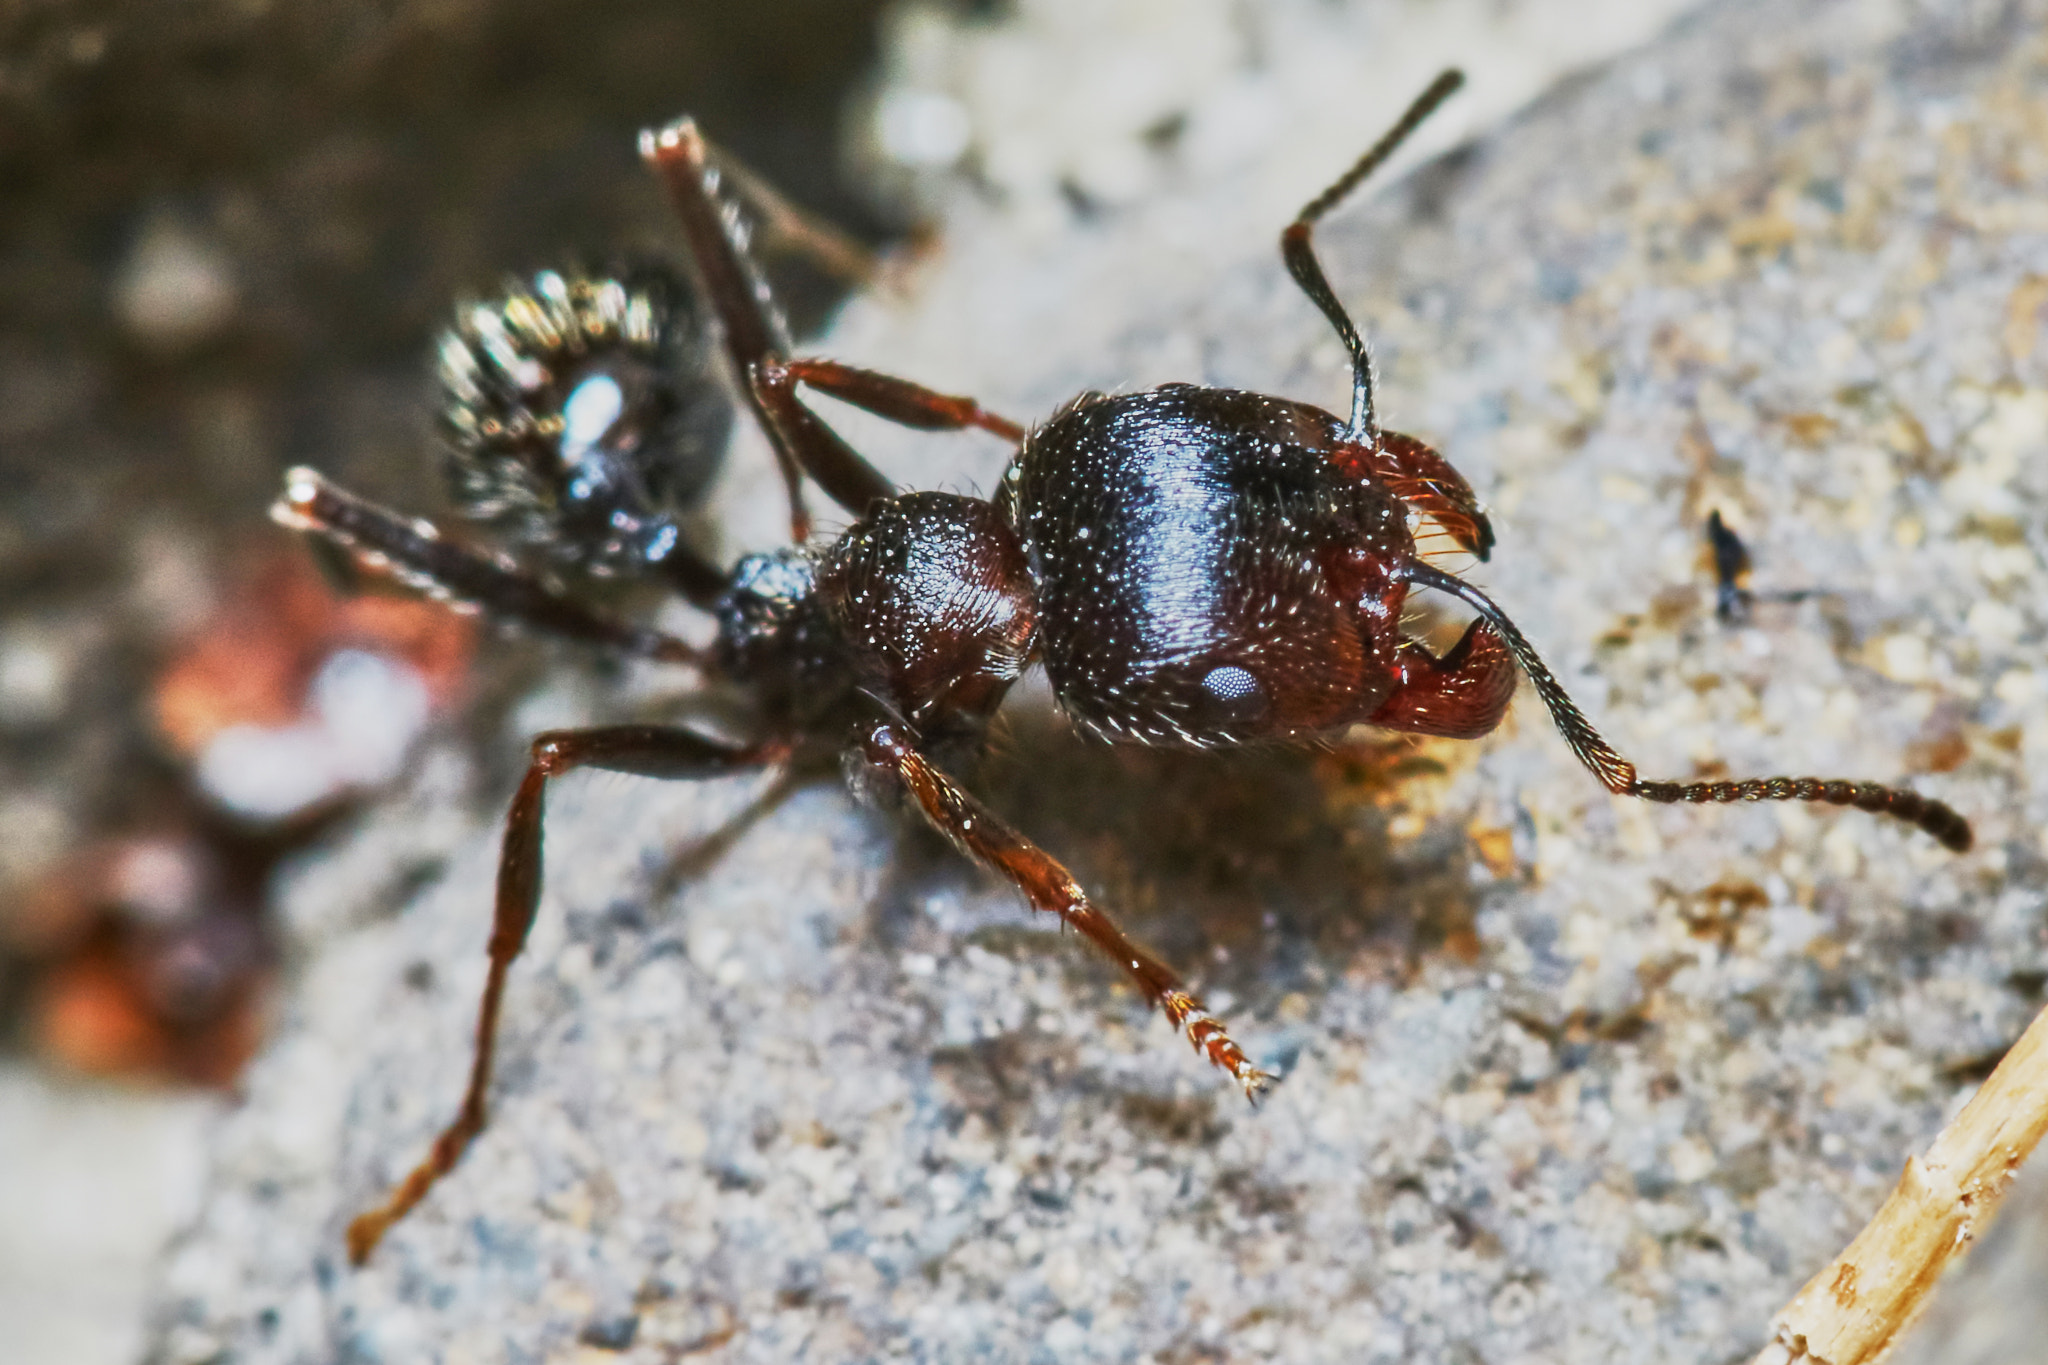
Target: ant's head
[(582, 413)]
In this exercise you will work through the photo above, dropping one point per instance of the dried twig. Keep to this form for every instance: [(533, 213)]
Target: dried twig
[(1858, 1306)]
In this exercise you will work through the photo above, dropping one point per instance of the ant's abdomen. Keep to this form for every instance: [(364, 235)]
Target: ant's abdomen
[(583, 413), (1206, 575)]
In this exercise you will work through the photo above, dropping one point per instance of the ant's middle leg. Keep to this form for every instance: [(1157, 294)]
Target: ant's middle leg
[(642, 750), (818, 447), (901, 401), (758, 346), (1049, 887)]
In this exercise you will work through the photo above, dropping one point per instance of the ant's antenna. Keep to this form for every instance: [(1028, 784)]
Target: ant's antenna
[(1300, 254), (1618, 775)]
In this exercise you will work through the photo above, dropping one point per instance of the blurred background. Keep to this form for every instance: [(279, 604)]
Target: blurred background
[(229, 231), (228, 234)]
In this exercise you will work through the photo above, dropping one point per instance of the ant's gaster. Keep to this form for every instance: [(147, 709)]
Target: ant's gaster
[(1193, 566)]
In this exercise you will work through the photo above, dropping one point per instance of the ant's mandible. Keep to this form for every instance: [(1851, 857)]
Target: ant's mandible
[(1193, 566)]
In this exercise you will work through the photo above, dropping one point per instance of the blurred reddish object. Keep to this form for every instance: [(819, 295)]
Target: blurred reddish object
[(153, 960), (292, 697), (149, 953)]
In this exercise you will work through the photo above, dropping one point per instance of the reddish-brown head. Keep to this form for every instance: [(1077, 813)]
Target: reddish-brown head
[(1207, 574)]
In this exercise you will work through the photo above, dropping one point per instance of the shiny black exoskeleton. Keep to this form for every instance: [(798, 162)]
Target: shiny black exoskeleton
[(583, 412), (1193, 566), (1207, 573)]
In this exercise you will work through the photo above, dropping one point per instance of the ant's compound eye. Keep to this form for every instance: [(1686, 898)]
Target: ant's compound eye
[(583, 412), (1235, 694)]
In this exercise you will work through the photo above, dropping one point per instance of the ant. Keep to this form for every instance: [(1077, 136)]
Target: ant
[(1194, 567), (1732, 601)]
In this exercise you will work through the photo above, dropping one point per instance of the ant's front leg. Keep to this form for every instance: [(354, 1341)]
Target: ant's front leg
[(642, 750), (1049, 887), (412, 551), (1463, 695), (758, 345)]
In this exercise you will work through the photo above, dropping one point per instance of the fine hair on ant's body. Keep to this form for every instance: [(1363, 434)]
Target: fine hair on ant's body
[(1193, 567)]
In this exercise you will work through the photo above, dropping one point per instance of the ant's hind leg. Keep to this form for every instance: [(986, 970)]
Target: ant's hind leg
[(642, 750), (754, 334), (791, 229), (1049, 887), (412, 551), (758, 346)]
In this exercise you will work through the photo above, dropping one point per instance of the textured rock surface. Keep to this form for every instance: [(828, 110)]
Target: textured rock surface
[(1568, 1079)]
